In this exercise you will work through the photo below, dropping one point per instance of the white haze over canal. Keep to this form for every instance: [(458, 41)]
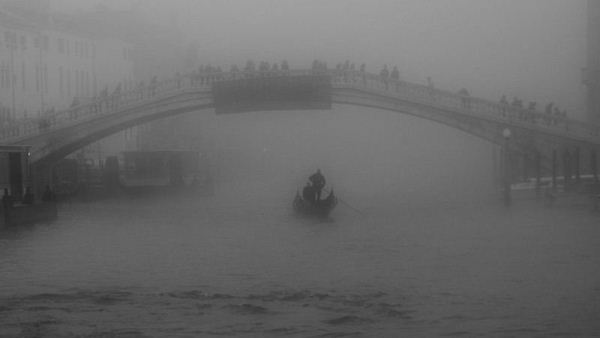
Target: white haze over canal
[(433, 253)]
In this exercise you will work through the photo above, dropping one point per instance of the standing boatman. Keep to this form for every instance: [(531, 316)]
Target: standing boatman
[(318, 182)]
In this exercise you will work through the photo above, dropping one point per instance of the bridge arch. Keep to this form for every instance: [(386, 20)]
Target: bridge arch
[(72, 129)]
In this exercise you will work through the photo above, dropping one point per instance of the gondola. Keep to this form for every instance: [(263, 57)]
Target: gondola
[(320, 208)]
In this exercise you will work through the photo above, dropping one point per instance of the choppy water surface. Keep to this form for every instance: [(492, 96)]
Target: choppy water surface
[(158, 267)]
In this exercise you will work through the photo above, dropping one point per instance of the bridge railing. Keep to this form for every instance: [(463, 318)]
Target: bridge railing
[(106, 104), (467, 105)]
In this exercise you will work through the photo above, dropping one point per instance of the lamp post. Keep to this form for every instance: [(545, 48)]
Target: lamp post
[(506, 134)]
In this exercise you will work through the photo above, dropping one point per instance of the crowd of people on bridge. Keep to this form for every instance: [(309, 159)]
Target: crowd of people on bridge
[(388, 78), (551, 116)]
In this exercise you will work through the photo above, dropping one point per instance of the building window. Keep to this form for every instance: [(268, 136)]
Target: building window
[(23, 76), (61, 83), (68, 83), (45, 79), (77, 82), (45, 42), (10, 39), (2, 75), (87, 84), (37, 78), (61, 45)]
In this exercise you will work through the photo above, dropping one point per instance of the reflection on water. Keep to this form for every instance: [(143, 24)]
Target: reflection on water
[(223, 266)]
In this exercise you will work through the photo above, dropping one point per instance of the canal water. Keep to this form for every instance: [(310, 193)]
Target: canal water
[(427, 252), (158, 267)]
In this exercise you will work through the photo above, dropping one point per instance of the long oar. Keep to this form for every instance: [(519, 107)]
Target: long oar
[(347, 204)]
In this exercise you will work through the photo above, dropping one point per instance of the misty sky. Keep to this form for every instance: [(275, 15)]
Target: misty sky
[(533, 49)]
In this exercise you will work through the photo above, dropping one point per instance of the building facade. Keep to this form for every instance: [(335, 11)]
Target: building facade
[(48, 61), (46, 65), (591, 74)]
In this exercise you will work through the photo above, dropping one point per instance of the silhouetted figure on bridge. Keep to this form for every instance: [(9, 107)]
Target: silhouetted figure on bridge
[(140, 90), (395, 75), (250, 68), (503, 105), (285, 68), (103, 99), (548, 111), (115, 97), (557, 116), (318, 183), (465, 98), (531, 111), (516, 103), (385, 74), (234, 70), (178, 79), (153, 84), (199, 76)]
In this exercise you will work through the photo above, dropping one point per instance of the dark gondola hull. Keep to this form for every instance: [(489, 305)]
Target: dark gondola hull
[(320, 208)]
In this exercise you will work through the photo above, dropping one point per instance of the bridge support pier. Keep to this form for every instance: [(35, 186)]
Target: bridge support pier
[(567, 175), (594, 165), (496, 167), (554, 169), (538, 172), (507, 173), (41, 176), (577, 166)]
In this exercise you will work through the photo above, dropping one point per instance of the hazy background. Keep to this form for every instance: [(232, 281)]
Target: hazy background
[(533, 49)]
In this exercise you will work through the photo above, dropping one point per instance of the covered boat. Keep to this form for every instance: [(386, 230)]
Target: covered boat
[(320, 208)]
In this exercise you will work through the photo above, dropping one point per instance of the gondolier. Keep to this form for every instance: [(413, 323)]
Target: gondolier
[(309, 203), (318, 183)]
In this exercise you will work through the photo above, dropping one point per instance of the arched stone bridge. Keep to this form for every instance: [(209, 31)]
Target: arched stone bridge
[(534, 134)]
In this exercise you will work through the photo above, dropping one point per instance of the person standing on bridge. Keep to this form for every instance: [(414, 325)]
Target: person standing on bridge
[(285, 68), (503, 105), (153, 84), (548, 111), (396, 77), (385, 74), (318, 182), (363, 73)]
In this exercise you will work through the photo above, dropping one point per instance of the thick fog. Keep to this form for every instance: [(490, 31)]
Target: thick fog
[(532, 49)]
